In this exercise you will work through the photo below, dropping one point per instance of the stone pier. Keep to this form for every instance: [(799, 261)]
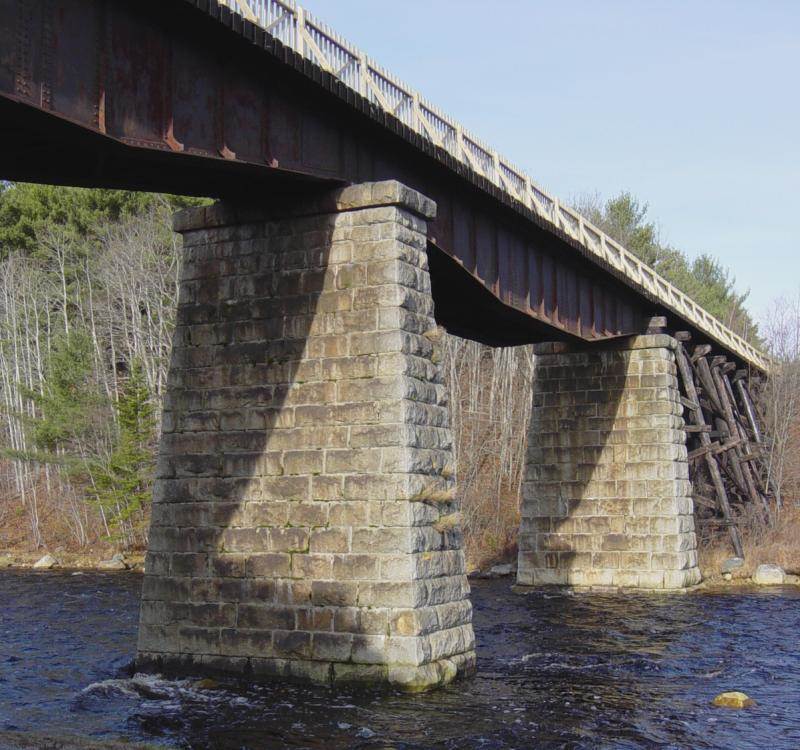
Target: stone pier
[(304, 523), (606, 497)]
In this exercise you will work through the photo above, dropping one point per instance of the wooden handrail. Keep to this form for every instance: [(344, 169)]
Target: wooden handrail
[(300, 30)]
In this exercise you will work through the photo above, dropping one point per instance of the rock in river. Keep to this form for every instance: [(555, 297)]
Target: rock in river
[(46, 562), (731, 564), (506, 569), (207, 684), (734, 699), (111, 565), (115, 563), (769, 575)]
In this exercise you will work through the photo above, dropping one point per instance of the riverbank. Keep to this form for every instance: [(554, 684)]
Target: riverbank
[(90, 559), (778, 544), (19, 550)]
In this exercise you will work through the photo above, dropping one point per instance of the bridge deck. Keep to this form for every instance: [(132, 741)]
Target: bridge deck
[(317, 42), (188, 96)]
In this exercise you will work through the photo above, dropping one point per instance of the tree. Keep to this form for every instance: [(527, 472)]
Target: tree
[(704, 279), (780, 396), (26, 210), (64, 421), (123, 482), (71, 413), (81, 303), (624, 219)]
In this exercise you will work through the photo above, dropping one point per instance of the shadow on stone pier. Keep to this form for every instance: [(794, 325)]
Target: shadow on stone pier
[(305, 462), (606, 498)]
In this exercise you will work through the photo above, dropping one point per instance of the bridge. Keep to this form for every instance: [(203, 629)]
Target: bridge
[(305, 519)]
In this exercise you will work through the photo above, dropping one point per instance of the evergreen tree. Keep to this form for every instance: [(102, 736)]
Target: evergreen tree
[(71, 421), (704, 279), (27, 209), (625, 217), (123, 482)]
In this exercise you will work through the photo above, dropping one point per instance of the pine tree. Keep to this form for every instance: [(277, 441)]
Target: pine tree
[(123, 482), (704, 278), (27, 209), (71, 413)]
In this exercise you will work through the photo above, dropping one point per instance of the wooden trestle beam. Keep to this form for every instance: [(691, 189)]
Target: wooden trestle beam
[(724, 436)]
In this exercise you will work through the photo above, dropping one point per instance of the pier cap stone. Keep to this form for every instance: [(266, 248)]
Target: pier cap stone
[(350, 198)]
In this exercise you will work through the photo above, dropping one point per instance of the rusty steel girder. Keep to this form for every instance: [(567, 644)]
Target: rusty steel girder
[(183, 96)]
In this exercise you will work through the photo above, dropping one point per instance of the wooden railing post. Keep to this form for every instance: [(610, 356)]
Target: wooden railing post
[(300, 37)]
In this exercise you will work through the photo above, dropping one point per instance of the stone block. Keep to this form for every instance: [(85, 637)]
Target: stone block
[(334, 647), (333, 539), (394, 594), (414, 650), (369, 649), (357, 567), (626, 579)]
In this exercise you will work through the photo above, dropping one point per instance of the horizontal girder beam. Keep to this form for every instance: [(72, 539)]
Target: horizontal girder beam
[(162, 96)]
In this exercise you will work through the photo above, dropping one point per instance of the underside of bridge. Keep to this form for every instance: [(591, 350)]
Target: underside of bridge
[(123, 95), (51, 150), (304, 518)]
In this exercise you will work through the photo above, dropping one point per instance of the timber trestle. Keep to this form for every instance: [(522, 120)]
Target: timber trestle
[(730, 477)]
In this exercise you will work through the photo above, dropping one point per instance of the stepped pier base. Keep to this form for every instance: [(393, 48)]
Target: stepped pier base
[(303, 520)]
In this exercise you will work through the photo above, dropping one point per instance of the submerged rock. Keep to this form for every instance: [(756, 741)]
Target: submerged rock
[(731, 564), (769, 575), (46, 562), (733, 699), (207, 684)]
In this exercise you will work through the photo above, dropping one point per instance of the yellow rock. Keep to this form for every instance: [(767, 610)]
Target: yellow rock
[(733, 699), (207, 684)]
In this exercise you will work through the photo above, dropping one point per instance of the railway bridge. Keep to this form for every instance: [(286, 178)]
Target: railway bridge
[(305, 517)]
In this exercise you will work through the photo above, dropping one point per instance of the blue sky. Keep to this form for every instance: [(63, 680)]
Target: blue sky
[(692, 105)]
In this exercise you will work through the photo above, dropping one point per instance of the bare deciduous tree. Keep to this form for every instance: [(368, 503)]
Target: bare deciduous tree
[(490, 402), (120, 288), (780, 395)]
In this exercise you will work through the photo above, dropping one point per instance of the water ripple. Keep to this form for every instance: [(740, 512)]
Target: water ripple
[(570, 672)]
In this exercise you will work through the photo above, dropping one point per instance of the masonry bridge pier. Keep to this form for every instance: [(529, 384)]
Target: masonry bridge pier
[(303, 512)]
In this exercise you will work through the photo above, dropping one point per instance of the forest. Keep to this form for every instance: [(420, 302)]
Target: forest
[(88, 290)]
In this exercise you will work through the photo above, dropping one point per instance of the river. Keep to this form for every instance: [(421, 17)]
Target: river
[(555, 671)]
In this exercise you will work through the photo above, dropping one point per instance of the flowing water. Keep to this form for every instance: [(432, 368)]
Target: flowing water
[(555, 671)]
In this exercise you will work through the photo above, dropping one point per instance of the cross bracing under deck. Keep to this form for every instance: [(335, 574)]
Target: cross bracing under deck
[(314, 40)]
